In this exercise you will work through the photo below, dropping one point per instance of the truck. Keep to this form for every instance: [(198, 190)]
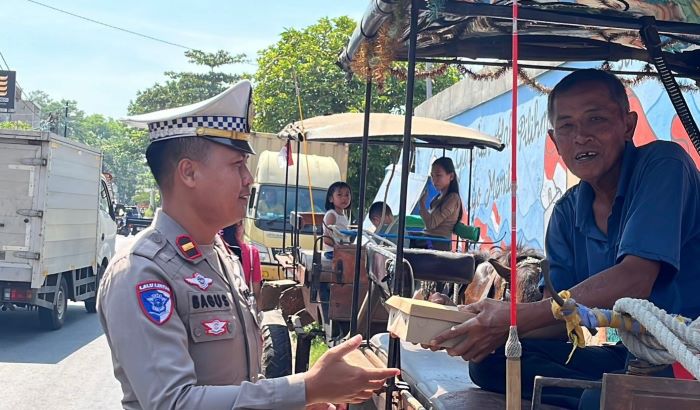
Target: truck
[(267, 220), (57, 224)]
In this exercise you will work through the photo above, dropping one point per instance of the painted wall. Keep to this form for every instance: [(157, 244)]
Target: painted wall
[(542, 176)]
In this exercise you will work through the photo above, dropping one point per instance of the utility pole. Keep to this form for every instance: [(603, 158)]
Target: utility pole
[(65, 123), (428, 82)]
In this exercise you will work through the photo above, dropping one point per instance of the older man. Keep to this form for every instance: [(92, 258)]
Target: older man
[(630, 228)]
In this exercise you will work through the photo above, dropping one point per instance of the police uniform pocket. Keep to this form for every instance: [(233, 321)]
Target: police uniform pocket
[(212, 326), (211, 316)]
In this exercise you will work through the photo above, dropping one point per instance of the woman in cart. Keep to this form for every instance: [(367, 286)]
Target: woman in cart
[(445, 210)]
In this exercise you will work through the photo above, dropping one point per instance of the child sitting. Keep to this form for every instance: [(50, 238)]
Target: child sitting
[(338, 200)]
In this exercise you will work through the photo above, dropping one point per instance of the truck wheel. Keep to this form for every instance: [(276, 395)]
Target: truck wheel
[(277, 351), (91, 303), (52, 319)]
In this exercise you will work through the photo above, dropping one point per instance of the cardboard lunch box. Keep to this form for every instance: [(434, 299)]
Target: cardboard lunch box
[(419, 321)]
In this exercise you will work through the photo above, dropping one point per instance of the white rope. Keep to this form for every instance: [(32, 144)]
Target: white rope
[(668, 339)]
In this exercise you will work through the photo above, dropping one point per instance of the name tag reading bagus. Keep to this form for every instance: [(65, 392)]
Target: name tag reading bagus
[(209, 301)]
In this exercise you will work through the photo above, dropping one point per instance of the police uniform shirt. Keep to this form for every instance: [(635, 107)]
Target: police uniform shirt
[(182, 328)]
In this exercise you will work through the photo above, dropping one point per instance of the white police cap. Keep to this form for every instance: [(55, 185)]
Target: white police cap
[(223, 118)]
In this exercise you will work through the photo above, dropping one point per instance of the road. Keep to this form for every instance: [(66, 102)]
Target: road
[(70, 368)]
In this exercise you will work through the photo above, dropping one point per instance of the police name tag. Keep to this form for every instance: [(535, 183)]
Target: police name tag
[(155, 300)]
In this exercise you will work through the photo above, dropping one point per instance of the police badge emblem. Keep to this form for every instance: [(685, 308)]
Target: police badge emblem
[(216, 327), (199, 280), (155, 300)]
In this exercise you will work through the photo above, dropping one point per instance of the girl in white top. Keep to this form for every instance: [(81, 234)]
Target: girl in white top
[(338, 200)]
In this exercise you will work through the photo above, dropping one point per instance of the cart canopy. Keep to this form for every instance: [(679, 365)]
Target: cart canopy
[(388, 129)]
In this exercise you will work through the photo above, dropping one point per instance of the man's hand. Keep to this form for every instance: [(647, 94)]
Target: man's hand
[(485, 333), (334, 379)]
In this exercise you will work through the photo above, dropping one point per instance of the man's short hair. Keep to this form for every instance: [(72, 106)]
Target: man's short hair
[(375, 210), (614, 85), (163, 156)]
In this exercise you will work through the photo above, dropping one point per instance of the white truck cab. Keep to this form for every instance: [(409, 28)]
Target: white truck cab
[(266, 217)]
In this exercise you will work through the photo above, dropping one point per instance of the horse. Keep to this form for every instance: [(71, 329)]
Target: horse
[(492, 276)]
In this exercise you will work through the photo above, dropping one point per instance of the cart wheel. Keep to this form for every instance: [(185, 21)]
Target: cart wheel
[(277, 351), (52, 319)]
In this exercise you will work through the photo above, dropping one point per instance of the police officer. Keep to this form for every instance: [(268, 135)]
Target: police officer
[(178, 316)]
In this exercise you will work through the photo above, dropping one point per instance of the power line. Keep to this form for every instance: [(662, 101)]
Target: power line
[(109, 25), (5, 61)]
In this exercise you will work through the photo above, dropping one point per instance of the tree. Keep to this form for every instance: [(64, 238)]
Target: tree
[(189, 87), (122, 148), (60, 117), (15, 125), (308, 56)]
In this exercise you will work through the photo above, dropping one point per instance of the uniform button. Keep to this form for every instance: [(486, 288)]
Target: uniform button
[(198, 332), (157, 238)]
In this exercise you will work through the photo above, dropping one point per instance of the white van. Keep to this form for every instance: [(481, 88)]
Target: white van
[(57, 225)]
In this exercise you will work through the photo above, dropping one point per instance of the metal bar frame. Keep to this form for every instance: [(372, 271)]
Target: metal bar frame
[(650, 37), (360, 212), (296, 246), (567, 18), (394, 343), (453, 61)]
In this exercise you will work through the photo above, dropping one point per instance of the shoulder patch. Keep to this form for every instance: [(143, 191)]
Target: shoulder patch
[(155, 300), (188, 247)]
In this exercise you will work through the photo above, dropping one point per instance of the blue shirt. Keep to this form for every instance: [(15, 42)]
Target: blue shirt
[(655, 215)]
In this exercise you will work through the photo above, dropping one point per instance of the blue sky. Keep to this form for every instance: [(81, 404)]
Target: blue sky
[(102, 68)]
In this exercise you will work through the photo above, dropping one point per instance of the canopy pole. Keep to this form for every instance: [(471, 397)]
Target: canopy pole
[(285, 216), (361, 213), (513, 348), (394, 361), (469, 192), (296, 202)]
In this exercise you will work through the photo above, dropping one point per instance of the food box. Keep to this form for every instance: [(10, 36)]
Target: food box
[(419, 321)]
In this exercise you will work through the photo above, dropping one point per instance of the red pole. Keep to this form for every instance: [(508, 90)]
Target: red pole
[(513, 348), (514, 173)]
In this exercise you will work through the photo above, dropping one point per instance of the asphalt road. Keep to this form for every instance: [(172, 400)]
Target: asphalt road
[(69, 368)]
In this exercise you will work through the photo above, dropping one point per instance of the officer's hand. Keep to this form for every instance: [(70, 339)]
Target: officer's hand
[(486, 332), (335, 379)]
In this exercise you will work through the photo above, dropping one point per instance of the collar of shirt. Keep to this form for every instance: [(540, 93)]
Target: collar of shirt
[(584, 201)]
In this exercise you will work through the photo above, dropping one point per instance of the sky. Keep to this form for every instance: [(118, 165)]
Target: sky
[(103, 68)]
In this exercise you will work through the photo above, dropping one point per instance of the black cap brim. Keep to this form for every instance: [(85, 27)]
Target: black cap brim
[(238, 145)]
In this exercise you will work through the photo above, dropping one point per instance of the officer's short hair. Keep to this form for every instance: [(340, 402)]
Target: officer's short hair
[(614, 85), (163, 156), (375, 210)]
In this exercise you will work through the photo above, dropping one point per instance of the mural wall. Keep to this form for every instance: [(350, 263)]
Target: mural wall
[(542, 176)]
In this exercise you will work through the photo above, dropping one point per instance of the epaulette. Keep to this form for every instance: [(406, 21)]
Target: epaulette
[(149, 244)]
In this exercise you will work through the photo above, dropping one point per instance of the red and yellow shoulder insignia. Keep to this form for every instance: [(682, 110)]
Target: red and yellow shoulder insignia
[(188, 247)]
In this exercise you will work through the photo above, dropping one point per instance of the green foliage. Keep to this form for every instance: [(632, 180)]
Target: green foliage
[(189, 87), (15, 125), (123, 149), (318, 348), (309, 55)]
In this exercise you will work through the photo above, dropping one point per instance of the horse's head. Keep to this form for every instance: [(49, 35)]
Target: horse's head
[(491, 280)]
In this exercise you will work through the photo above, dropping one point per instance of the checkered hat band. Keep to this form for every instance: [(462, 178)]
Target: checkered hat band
[(217, 122)]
